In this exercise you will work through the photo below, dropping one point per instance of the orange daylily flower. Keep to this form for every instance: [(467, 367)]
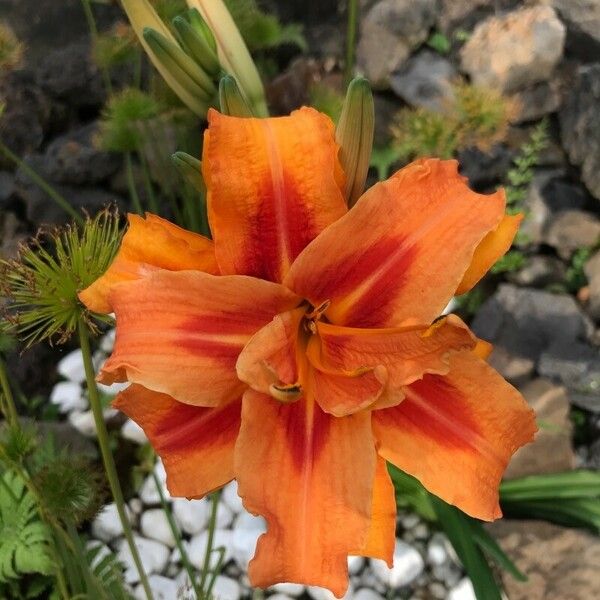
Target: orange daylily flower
[(302, 349)]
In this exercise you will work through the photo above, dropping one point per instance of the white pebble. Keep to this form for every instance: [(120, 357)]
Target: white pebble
[(231, 498), (280, 597), (84, 421), (247, 521), (462, 591), (288, 589), (222, 539), (366, 594), (162, 588), (224, 516), (408, 565), (437, 553), (243, 545), (226, 588), (107, 525), (153, 554), (155, 525), (68, 395), (71, 366), (319, 593), (355, 564), (175, 557), (136, 506), (114, 388), (133, 432), (148, 492), (107, 341), (191, 515)]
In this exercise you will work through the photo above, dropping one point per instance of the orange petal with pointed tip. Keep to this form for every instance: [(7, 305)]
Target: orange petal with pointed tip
[(149, 244), (273, 186), (180, 333), (311, 476), (398, 256), (195, 443), (494, 245), (407, 353), (456, 433), (381, 538)]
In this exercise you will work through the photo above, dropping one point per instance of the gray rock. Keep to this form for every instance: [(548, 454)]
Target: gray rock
[(580, 126), (389, 31), (572, 229), (582, 18), (516, 369), (525, 322), (516, 50), (425, 81), (539, 271), (576, 365), (551, 452), (537, 101), (485, 169), (559, 562)]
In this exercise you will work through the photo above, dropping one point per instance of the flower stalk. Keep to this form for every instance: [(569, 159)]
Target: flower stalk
[(107, 457)]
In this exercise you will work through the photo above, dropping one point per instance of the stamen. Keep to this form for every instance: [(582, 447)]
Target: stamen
[(286, 393)]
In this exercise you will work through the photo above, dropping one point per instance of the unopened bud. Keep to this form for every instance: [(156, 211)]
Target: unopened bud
[(193, 39), (231, 99), (190, 169), (354, 134)]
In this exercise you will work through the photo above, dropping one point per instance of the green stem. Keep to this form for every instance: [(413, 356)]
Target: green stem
[(59, 199), (91, 21), (351, 31), (107, 457), (212, 524), (148, 184), (177, 535), (135, 199), (11, 415)]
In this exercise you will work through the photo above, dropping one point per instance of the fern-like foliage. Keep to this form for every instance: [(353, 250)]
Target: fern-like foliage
[(24, 538)]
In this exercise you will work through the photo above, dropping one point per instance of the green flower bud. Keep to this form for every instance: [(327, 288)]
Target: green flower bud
[(231, 99)]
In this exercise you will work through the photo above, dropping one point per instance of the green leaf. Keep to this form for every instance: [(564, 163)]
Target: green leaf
[(492, 549), (458, 528), (410, 493), (439, 42), (571, 484), (26, 540)]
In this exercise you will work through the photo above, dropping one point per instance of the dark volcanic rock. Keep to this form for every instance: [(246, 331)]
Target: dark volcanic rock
[(69, 74), (580, 126), (26, 115), (525, 322)]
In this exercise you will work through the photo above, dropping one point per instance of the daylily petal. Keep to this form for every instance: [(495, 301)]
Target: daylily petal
[(149, 244), (196, 444), (381, 538), (273, 186), (311, 476), (494, 245), (456, 433), (181, 333), (342, 391), (270, 357), (398, 256), (407, 353)]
